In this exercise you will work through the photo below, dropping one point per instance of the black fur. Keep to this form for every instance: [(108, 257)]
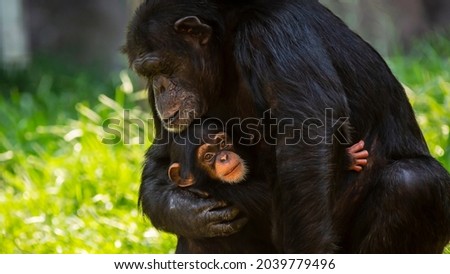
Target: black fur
[(307, 60), (298, 59)]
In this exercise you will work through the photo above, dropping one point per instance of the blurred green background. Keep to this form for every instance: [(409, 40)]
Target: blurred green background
[(63, 191)]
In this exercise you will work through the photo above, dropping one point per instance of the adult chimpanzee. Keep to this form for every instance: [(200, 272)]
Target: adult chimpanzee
[(297, 59), (205, 160)]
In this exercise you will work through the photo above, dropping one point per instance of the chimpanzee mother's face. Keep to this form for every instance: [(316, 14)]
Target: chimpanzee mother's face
[(176, 57)]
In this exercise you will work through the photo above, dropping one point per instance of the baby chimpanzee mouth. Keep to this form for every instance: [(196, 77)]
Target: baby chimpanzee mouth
[(233, 170)]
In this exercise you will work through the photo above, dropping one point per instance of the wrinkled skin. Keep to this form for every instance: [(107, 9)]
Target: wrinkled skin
[(213, 218), (175, 68)]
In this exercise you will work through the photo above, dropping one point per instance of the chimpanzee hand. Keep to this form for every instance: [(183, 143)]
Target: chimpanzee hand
[(180, 211), (195, 215), (190, 214)]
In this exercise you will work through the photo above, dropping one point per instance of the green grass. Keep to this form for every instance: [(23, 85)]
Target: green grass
[(426, 74), (63, 191)]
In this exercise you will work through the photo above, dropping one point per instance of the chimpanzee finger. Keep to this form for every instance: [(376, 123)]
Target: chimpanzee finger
[(212, 205), (229, 228), (221, 215), (356, 147), (361, 162), (361, 154)]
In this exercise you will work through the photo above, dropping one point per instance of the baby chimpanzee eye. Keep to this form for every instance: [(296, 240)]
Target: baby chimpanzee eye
[(208, 156)]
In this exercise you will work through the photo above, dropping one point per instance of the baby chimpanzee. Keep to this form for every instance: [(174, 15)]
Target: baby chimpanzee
[(215, 156), (204, 160)]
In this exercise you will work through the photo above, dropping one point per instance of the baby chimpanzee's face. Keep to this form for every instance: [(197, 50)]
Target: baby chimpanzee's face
[(218, 158)]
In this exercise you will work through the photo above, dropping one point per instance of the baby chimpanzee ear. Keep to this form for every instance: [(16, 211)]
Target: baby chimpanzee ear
[(174, 176)]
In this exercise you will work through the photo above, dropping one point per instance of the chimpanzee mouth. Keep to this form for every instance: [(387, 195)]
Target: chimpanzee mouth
[(173, 119), (232, 170), (177, 122), (179, 119)]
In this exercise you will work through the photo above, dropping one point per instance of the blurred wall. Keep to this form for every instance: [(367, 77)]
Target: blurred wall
[(13, 38), (89, 32), (390, 23)]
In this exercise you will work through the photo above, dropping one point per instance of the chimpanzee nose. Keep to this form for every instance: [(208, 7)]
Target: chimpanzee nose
[(160, 84), (224, 158)]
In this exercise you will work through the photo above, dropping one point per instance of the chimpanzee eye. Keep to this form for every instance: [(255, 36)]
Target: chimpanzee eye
[(208, 156), (146, 65)]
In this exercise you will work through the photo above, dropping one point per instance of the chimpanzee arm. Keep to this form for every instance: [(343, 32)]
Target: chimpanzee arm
[(180, 211)]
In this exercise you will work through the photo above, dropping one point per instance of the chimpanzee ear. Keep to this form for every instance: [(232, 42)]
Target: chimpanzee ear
[(175, 177), (193, 30), (174, 172)]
